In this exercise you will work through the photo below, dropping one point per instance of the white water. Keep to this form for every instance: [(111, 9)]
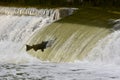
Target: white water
[(16, 64), (30, 12), (107, 50), (14, 33), (61, 71), (17, 26)]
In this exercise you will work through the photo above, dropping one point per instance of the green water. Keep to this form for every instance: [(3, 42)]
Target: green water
[(75, 35), (72, 43)]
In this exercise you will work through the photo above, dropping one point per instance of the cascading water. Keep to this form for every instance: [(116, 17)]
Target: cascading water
[(16, 29), (72, 43), (19, 26), (14, 32), (107, 50)]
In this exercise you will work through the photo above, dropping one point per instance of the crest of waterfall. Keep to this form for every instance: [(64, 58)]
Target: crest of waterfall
[(55, 14), (107, 50)]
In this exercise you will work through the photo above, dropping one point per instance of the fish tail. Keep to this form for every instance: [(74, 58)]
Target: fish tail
[(28, 47)]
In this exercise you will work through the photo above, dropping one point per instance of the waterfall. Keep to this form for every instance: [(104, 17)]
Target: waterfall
[(21, 26), (17, 25), (72, 42), (14, 32), (106, 50)]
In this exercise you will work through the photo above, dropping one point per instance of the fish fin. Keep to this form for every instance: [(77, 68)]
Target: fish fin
[(42, 50)]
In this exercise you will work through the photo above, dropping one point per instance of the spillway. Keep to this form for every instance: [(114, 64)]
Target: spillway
[(21, 26), (73, 40), (17, 25), (106, 50), (77, 45)]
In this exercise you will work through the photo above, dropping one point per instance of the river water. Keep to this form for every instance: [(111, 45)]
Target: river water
[(59, 71), (102, 63)]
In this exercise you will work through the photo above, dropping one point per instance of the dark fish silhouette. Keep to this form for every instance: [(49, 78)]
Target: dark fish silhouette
[(43, 45)]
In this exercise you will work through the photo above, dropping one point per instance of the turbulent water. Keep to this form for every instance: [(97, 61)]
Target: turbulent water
[(72, 42), (17, 64), (107, 50), (14, 32), (61, 71)]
